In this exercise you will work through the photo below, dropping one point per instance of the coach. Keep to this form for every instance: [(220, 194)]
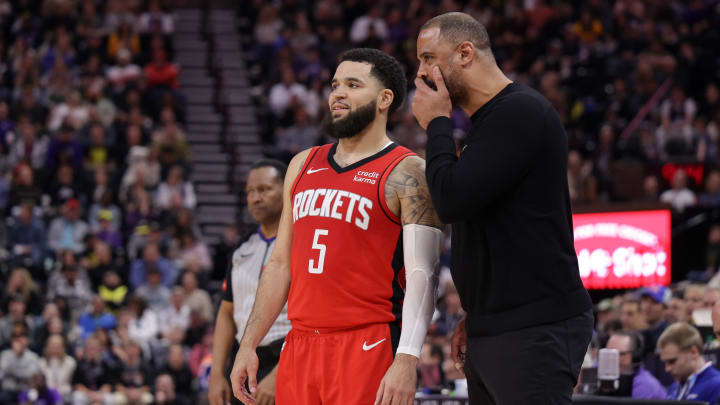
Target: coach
[(529, 318)]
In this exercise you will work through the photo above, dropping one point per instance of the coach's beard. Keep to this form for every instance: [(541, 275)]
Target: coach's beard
[(354, 123)]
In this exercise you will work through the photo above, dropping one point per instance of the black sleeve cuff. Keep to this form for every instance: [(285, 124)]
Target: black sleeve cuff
[(440, 126)]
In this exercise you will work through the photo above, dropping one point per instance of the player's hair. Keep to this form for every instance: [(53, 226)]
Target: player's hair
[(456, 28), (385, 69), (278, 165), (683, 335)]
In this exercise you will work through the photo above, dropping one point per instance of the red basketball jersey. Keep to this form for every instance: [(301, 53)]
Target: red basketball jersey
[(347, 263)]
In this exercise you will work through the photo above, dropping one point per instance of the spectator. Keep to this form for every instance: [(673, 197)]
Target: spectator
[(124, 73), (165, 392), (17, 365), (160, 73), (151, 257), (583, 186), (97, 318), (105, 232), (711, 196), (430, 365), (65, 187), (194, 255), (39, 392), (653, 302), (58, 366), (178, 369), (177, 314), (694, 295), (155, 294), (632, 317), (20, 285), (98, 152), (630, 347), (105, 204), (72, 285), (123, 38), (65, 149), (29, 110), (70, 115), (368, 26), (196, 299), (298, 137), (680, 196), (112, 291), (676, 311), (175, 192), (134, 377), (681, 350), (94, 376), (287, 94), (16, 314), (143, 324), (169, 141), (24, 189), (155, 16), (68, 231)]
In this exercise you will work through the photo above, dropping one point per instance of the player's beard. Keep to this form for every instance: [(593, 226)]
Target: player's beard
[(352, 124), (455, 86)]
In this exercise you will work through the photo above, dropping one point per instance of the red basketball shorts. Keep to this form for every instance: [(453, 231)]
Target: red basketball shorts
[(338, 368)]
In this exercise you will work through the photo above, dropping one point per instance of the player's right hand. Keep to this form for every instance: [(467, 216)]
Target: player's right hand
[(244, 368), (219, 389), (458, 343)]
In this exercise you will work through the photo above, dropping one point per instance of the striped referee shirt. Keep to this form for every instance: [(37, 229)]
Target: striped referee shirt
[(241, 283)]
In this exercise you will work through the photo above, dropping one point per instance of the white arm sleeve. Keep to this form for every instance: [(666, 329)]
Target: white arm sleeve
[(421, 251)]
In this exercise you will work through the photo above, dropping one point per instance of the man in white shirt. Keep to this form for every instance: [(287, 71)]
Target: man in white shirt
[(679, 196)]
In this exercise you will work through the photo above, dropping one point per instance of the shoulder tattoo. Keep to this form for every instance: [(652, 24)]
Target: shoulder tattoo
[(407, 193)]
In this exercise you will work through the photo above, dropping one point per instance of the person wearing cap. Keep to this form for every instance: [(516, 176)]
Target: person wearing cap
[(68, 231), (17, 365), (653, 302), (105, 231), (264, 200)]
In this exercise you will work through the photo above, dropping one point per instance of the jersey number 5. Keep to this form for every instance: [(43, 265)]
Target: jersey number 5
[(319, 246)]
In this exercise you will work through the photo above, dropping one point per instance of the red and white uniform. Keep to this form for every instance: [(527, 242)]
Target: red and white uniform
[(347, 280)]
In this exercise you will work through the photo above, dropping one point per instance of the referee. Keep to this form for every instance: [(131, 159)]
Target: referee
[(264, 191), (529, 318)]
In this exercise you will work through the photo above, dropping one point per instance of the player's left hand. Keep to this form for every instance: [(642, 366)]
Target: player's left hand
[(265, 394), (398, 385), (429, 104)]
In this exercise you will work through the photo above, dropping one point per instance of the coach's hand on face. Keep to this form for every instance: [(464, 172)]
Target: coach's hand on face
[(245, 368), (265, 394), (429, 104), (398, 385)]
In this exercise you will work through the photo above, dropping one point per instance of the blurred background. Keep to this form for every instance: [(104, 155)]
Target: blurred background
[(127, 129)]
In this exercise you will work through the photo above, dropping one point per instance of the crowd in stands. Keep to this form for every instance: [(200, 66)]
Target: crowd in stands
[(104, 274), (103, 271), (598, 62)]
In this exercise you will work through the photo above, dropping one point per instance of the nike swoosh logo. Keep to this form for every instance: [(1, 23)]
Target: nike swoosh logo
[(311, 171), (367, 347)]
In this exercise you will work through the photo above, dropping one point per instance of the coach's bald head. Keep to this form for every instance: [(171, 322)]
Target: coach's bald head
[(459, 45)]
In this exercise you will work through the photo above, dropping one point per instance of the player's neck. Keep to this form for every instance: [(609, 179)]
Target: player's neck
[(490, 81), (369, 142)]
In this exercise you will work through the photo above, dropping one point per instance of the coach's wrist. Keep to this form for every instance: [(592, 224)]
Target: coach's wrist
[(247, 345), (440, 125)]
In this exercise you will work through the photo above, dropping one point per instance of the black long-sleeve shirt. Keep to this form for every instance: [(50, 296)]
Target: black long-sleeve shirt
[(506, 196)]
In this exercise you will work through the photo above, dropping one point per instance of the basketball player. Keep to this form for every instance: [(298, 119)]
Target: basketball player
[(356, 214)]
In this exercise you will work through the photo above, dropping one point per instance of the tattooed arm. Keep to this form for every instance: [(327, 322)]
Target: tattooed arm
[(407, 195)]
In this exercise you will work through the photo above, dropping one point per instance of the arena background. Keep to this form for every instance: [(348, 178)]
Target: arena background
[(127, 129)]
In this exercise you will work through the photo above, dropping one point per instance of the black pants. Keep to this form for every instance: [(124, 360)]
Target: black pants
[(268, 358), (537, 365)]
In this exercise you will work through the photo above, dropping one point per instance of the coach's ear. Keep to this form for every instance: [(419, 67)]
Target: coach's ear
[(385, 99)]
